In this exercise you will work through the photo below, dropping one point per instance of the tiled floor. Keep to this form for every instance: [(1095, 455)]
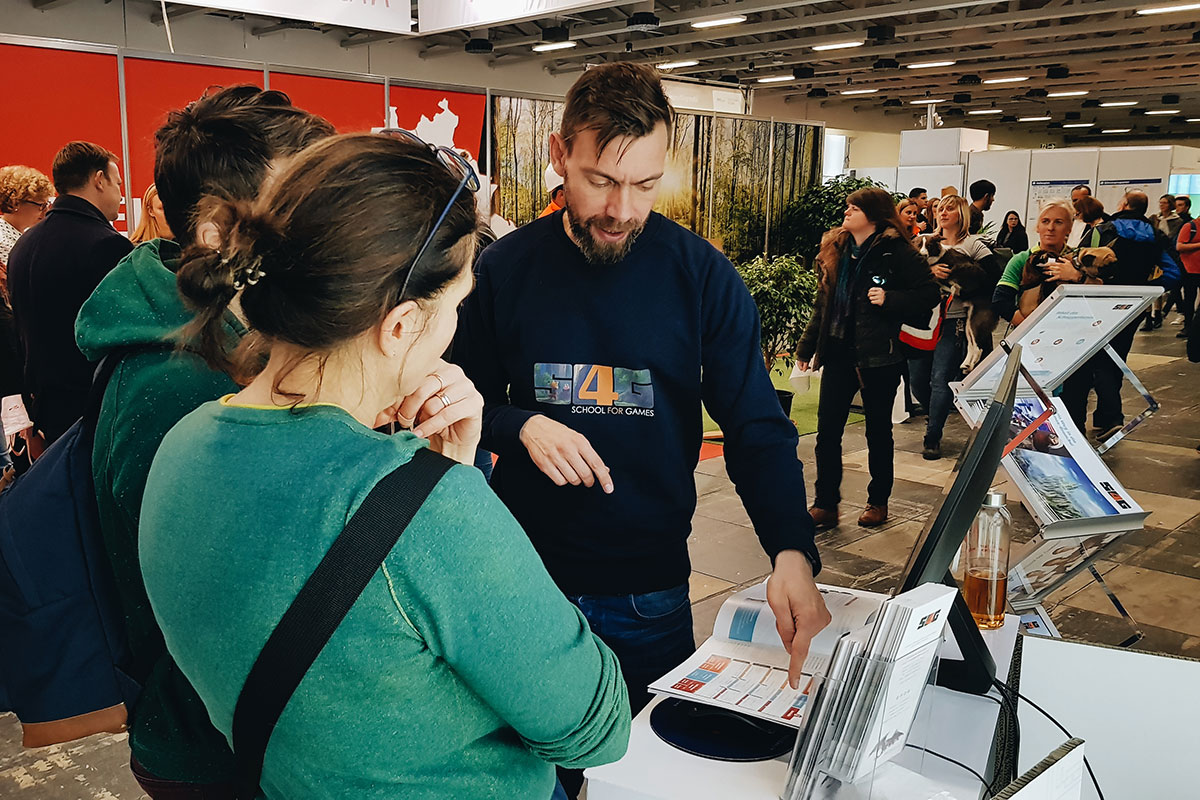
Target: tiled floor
[(1156, 572)]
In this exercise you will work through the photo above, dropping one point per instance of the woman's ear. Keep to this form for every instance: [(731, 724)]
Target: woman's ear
[(208, 234), (396, 330)]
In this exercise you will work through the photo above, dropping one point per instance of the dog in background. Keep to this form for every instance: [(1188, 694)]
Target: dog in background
[(1096, 263), (970, 283)]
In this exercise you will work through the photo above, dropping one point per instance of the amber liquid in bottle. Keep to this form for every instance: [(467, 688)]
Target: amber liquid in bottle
[(985, 594)]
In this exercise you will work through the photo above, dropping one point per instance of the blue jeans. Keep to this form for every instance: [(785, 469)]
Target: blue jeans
[(649, 633), (932, 375)]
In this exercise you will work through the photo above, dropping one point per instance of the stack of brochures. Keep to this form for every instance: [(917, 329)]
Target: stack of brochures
[(863, 679)]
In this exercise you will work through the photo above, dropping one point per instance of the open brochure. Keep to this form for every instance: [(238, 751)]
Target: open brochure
[(743, 666), (1064, 484), (1042, 565)]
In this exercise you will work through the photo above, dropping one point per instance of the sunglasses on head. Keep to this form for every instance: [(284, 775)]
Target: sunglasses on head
[(458, 166)]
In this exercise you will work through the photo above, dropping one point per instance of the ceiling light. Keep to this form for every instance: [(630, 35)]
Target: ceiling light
[(1162, 112), (716, 23), (979, 112), (1169, 9), (931, 64), (677, 64), (1034, 119), (776, 79), (1118, 104), (1078, 124), (1116, 130), (838, 46), (1193, 119), (1080, 93), (642, 21), (550, 47), (859, 91), (928, 101), (1012, 79)]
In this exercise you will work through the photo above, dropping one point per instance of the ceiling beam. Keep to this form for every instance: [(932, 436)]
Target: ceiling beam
[(666, 20), (956, 26), (42, 5), (286, 25), (862, 58), (790, 25)]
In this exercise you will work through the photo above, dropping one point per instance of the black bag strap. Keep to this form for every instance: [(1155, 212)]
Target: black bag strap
[(104, 372), (322, 604)]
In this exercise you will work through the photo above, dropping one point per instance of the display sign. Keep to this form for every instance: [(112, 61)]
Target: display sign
[(350, 106), (452, 15), (391, 16)]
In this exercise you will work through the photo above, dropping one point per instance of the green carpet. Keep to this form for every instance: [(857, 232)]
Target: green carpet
[(804, 406)]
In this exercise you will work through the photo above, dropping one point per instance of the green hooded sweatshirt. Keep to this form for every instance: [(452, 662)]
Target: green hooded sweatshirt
[(138, 305)]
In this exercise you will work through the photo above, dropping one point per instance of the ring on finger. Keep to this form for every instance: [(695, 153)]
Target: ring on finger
[(441, 383), (446, 401)]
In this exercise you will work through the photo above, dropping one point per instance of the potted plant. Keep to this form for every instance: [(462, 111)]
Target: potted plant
[(817, 209), (784, 290)]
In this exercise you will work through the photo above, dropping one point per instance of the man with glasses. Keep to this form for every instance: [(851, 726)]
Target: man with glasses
[(594, 334)]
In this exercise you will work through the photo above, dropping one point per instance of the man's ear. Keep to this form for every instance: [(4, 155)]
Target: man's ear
[(558, 154)]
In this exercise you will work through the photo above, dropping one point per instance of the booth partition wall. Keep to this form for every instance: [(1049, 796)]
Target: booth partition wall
[(729, 179)]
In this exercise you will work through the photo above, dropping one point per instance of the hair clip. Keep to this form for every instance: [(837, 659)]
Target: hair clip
[(249, 276)]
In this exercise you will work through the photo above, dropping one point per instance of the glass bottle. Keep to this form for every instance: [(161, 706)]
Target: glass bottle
[(985, 584)]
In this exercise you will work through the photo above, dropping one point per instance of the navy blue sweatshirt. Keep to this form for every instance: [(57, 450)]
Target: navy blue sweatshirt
[(624, 354)]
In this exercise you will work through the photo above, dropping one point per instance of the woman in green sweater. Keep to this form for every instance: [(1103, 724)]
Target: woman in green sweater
[(461, 670)]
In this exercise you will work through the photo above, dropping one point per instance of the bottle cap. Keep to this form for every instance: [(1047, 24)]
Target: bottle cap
[(995, 499)]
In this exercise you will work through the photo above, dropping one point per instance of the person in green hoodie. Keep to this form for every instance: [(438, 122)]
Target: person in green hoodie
[(460, 671), (226, 142)]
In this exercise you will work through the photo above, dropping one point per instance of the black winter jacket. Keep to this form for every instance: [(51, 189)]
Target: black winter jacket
[(53, 268), (911, 293)]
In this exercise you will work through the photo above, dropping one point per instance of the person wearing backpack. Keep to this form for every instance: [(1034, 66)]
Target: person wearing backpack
[(1144, 257), (225, 142), (459, 669)]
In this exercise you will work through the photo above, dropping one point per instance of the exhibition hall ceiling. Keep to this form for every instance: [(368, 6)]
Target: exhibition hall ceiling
[(1077, 67)]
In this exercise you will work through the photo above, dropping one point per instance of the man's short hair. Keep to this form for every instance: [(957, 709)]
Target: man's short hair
[(1137, 202), (616, 101), (981, 189), (1083, 186), (917, 192), (223, 144), (1187, 201), (76, 163)]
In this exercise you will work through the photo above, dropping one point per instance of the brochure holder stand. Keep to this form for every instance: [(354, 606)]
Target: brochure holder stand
[(845, 749)]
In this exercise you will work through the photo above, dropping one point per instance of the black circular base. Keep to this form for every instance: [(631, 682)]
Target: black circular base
[(719, 734)]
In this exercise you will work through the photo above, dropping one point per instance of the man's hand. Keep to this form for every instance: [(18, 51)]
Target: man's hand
[(564, 455), (876, 296), (800, 612), (940, 271)]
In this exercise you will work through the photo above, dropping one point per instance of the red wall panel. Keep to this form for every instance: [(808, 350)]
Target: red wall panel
[(52, 97), (422, 111), (351, 106), (154, 88)]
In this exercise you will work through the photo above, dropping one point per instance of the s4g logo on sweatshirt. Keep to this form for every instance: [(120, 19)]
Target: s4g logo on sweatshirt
[(595, 389)]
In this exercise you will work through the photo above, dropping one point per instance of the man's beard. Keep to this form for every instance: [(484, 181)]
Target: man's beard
[(597, 252)]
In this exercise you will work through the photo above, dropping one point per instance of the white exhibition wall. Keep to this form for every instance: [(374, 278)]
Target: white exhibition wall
[(1009, 170), (1124, 169)]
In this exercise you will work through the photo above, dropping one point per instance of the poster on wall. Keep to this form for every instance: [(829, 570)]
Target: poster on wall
[(440, 117), (1041, 191), (1113, 191), (450, 15), (350, 106), (155, 88), (390, 16)]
